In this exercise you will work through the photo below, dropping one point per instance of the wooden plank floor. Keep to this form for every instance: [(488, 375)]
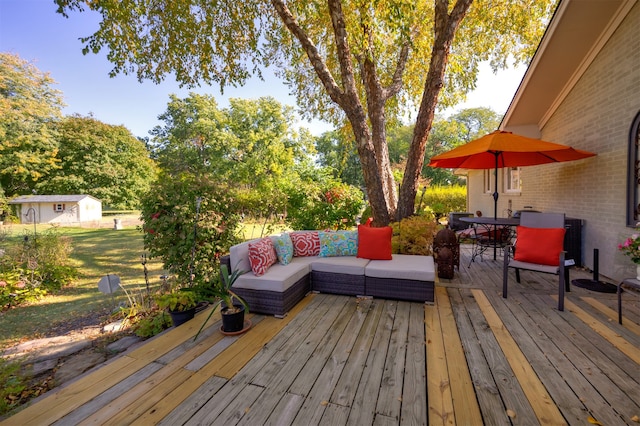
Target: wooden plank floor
[(471, 358)]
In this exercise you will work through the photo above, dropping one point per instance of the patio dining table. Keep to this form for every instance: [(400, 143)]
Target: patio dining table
[(491, 224)]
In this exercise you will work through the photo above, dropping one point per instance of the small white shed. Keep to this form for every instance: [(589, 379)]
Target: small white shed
[(60, 209)]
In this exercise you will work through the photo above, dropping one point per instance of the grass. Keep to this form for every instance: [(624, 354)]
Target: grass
[(97, 252)]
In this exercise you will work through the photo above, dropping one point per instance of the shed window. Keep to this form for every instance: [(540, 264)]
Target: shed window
[(633, 174), (58, 208)]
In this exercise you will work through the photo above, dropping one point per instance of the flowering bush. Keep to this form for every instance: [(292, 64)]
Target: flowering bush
[(631, 247), (168, 212)]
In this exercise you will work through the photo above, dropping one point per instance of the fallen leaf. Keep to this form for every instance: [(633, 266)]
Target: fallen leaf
[(594, 421), (324, 403), (635, 419), (511, 414)]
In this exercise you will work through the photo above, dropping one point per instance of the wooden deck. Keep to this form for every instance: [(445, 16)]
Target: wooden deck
[(471, 358)]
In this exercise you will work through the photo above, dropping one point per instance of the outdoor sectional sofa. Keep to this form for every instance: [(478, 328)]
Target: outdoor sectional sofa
[(282, 269)]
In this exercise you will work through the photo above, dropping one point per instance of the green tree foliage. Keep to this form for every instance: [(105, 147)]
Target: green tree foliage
[(193, 137), (28, 106), (361, 62), (249, 145), (103, 160), (337, 152), (446, 134), (176, 231)]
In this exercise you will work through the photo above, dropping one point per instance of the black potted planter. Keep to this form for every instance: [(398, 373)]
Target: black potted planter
[(180, 317), (232, 322)]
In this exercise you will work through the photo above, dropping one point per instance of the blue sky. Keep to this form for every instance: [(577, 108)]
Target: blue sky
[(34, 31)]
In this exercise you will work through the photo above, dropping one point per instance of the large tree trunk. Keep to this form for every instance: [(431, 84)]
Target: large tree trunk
[(376, 189), (372, 144), (375, 105), (445, 29)]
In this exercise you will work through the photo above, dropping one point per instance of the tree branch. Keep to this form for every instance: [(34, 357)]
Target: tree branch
[(344, 53), (310, 49), (396, 83)]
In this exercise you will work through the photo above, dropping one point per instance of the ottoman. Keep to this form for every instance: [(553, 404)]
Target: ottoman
[(405, 277)]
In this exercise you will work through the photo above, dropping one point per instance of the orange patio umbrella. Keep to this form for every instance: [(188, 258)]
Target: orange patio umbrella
[(505, 149)]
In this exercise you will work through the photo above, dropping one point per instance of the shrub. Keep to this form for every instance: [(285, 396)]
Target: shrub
[(15, 291), (12, 384), (155, 322), (437, 201), (38, 265), (414, 235), (332, 205), (172, 233), (443, 200)]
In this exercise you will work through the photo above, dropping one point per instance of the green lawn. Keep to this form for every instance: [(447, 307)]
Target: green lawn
[(97, 252)]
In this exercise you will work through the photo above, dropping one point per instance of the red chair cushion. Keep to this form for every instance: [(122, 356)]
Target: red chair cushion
[(374, 243), (539, 245)]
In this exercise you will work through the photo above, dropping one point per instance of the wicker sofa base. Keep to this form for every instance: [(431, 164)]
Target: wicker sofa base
[(273, 302), (398, 289), (329, 282), (279, 303)]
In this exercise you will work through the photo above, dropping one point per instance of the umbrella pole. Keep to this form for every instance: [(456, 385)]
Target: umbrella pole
[(495, 206)]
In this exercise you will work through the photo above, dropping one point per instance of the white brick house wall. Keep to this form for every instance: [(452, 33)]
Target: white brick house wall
[(596, 115)]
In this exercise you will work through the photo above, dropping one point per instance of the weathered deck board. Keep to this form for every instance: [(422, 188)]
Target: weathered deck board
[(533, 332), (414, 391), (487, 392), (462, 389), (580, 373), (363, 406), (390, 396), (541, 403), (511, 393), (439, 398), (470, 358)]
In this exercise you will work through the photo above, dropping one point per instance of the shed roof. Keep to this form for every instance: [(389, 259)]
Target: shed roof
[(50, 199)]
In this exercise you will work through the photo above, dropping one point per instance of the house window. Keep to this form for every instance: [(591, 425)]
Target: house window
[(489, 179), (58, 208), (633, 174), (512, 179)]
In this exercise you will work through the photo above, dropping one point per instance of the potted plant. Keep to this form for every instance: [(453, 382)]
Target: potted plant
[(233, 306), (181, 305)]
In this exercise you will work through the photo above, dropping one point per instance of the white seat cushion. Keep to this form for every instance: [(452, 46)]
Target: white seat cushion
[(278, 277), (403, 267), (349, 265)]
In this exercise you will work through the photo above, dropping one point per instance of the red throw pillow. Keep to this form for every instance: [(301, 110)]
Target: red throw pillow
[(539, 245), (305, 243), (262, 254), (374, 243)]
